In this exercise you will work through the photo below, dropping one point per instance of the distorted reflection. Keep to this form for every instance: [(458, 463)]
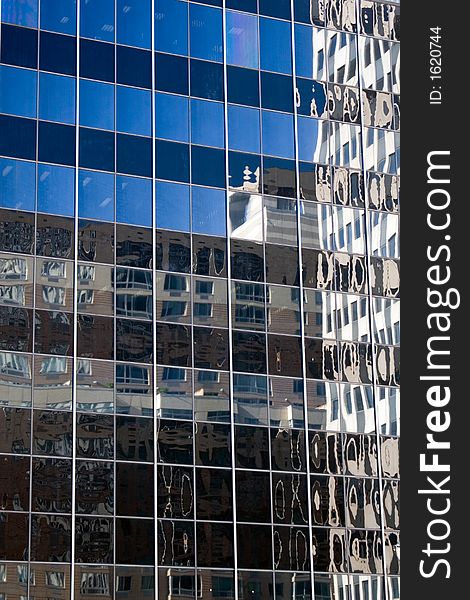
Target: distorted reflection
[(15, 379)]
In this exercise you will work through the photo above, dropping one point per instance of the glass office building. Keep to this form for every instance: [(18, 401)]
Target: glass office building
[(199, 299)]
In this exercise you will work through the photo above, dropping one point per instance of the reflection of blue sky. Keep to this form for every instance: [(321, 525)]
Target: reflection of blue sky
[(96, 195), (242, 40), (171, 26), (206, 32), (134, 200), (278, 134), (310, 132), (56, 190), (18, 91), (24, 13), (133, 19), (172, 117), (133, 110), (209, 212), (17, 184), (59, 15), (207, 123), (172, 206), (243, 129), (274, 39), (96, 104), (97, 19)]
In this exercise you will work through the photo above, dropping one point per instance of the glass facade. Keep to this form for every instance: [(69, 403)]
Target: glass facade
[(199, 299)]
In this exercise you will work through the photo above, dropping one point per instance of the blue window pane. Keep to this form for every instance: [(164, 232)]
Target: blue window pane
[(57, 98), (133, 200), (133, 22), (171, 26), (172, 117), (59, 15), (97, 19), (243, 129), (17, 184), (310, 139), (172, 206), (209, 211), (242, 40), (172, 161), (207, 123), (96, 195), (275, 44), (133, 111), (206, 33), (96, 104), (20, 12), (303, 51), (56, 190), (278, 134), (17, 92)]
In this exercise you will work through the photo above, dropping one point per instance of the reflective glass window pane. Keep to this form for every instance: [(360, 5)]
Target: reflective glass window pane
[(57, 98), (20, 13), (134, 200), (133, 22), (275, 56), (96, 195), (18, 91), (96, 104), (312, 139), (97, 19), (206, 33), (17, 184), (133, 110), (242, 40), (56, 190), (278, 134), (207, 123), (172, 117), (172, 206), (59, 15), (243, 129), (171, 26), (208, 211)]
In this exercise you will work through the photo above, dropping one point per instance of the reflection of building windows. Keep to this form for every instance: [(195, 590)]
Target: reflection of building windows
[(123, 583), (132, 374), (254, 384), (94, 583), (202, 309), (173, 374), (134, 279), (84, 366), (14, 364), (249, 291), (222, 587), (55, 365), (13, 269), (205, 288), (85, 273), (184, 585), (134, 306), (302, 591), (53, 269), (246, 313), (85, 296), (12, 294), (55, 579), (175, 283), (53, 295), (209, 376), (173, 308), (147, 582)]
